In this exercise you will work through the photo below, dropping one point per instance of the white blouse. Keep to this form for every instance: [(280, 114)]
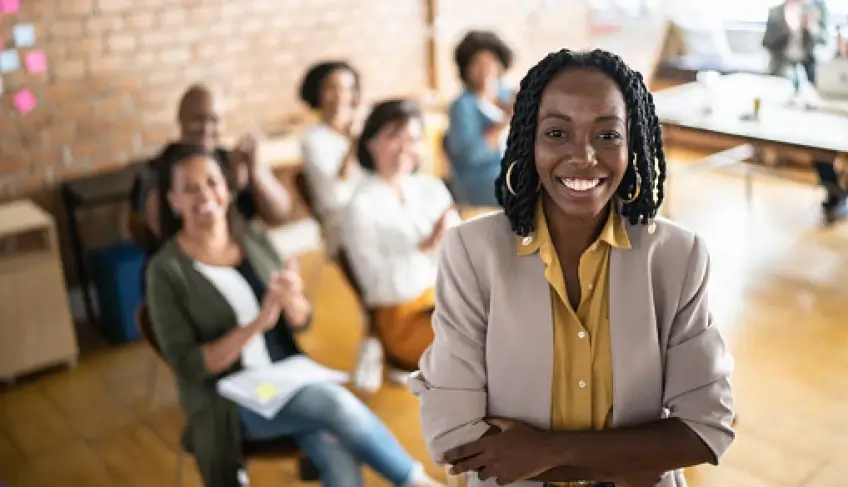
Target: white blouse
[(238, 294), (324, 151), (382, 235)]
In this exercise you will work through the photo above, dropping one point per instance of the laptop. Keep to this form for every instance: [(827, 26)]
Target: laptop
[(832, 79)]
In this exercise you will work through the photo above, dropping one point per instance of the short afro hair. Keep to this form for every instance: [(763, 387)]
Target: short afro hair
[(310, 87), (476, 41)]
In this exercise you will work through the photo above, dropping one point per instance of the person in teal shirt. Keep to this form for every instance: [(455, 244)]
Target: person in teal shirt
[(479, 118)]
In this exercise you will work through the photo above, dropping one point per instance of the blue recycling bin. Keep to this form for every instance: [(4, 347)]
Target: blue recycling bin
[(116, 274)]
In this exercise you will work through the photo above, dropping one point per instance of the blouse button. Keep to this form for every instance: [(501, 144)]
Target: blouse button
[(582, 384)]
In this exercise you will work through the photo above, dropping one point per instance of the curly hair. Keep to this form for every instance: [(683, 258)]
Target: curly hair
[(382, 115), (476, 41), (647, 164), (310, 87)]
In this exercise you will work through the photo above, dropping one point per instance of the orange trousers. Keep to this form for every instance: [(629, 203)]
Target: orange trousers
[(405, 329)]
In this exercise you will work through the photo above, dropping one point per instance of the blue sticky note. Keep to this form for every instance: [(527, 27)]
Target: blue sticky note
[(24, 35), (9, 61)]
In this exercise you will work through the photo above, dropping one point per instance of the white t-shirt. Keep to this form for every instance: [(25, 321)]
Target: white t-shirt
[(324, 151), (237, 293), (382, 235)]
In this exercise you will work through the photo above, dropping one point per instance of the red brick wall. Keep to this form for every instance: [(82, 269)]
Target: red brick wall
[(117, 67)]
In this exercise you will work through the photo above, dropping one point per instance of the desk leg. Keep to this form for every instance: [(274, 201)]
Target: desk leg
[(79, 258)]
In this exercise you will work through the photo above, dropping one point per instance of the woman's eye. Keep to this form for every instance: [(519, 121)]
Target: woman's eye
[(555, 133), (610, 136)]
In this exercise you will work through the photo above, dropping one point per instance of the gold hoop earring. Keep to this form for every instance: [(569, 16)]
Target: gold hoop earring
[(508, 176), (637, 190)]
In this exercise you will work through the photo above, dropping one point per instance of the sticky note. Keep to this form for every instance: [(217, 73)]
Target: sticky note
[(24, 101), (24, 35), (9, 6), (9, 61), (266, 391), (35, 61)]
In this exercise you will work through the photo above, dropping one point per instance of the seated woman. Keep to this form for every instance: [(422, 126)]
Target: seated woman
[(221, 300), (479, 118), (574, 341), (330, 166), (392, 228)]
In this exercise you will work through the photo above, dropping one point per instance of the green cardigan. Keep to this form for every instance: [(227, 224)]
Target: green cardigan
[(186, 311)]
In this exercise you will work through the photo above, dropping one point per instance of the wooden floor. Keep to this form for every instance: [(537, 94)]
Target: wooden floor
[(779, 291)]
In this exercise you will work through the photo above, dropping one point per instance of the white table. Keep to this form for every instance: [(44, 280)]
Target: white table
[(818, 127)]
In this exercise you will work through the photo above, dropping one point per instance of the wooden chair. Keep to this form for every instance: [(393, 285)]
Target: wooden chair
[(282, 448)]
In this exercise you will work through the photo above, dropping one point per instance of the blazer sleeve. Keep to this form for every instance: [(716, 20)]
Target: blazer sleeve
[(451, 382), (172, 326), (698, 364), (465, 142)]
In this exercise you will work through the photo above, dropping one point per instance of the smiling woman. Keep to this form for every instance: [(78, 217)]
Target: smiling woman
[(573, 341)]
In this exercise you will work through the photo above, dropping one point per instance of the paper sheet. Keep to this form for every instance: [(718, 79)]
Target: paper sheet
[(24, 35), (267, 390), (35, 61), (9, 6), (24, 101), (9, 61)]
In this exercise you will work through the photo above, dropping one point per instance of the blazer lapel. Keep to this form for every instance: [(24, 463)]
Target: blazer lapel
[(636, 358), (520, 345)]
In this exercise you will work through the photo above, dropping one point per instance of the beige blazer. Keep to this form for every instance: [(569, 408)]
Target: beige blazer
[(493, 351)]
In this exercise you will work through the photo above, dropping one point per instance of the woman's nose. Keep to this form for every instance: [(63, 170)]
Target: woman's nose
[(583, 155)]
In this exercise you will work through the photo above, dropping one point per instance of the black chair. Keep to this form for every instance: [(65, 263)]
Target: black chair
[(282, 448)]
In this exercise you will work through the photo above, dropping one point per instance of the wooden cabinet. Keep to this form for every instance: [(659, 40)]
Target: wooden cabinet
[(36, 329)]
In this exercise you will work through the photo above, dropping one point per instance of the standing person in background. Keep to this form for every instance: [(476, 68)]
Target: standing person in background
[(793, 31), (393, 228), (479, 117), (257, 190), (329, 147)]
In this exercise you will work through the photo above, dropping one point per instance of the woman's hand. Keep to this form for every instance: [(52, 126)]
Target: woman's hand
[(439, 229), (518, 452), (269, 313), (287, 287)]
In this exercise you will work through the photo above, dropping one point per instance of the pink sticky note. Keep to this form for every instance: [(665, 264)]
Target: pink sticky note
[(35, 61), (24, 101), (9, 6)]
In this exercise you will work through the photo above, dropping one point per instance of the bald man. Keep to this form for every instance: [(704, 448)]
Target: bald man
[(200, 117)]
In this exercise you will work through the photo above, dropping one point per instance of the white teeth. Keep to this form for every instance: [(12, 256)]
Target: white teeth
[(579, 184), (208, 207)]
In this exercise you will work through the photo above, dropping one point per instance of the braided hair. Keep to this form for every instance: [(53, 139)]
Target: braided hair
[(647, 165)]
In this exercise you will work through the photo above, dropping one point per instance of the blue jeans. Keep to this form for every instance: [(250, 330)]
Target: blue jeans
[(339, 433)]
